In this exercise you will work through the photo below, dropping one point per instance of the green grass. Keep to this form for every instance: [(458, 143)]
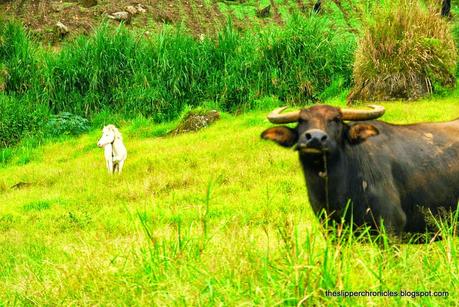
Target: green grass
[(170, 71), (123, 72), (217, 217)]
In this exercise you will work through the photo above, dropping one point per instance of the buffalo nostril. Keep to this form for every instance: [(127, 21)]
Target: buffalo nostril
[(323, 138), (308, 136)]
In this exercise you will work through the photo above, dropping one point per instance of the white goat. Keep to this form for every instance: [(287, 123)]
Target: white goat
[(114, 149)]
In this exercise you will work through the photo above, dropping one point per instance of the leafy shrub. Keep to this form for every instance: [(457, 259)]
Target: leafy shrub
[(66, 123), (404, 52)]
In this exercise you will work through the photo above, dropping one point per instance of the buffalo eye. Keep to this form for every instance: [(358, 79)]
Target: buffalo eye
[(335, 120), (302, 121)]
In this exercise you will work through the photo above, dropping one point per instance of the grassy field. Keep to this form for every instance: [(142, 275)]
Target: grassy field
[(217, 217)]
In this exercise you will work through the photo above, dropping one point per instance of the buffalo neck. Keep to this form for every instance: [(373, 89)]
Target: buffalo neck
[(326, 181)]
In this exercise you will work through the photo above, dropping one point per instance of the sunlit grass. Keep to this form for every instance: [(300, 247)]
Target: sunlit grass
[(207, 218)]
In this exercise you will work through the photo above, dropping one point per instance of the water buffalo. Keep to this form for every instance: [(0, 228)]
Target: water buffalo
[(398, 174)]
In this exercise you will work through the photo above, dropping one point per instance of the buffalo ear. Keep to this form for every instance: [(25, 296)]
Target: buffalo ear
[(282, 135), (358, 133)]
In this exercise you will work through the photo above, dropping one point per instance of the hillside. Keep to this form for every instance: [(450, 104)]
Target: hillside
[(208, 218), (198, 16)]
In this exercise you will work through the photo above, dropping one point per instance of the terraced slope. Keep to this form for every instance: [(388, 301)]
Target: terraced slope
[(198, 16)]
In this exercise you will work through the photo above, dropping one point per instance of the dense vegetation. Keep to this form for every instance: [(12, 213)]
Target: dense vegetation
[(309, 58), (158, 77)]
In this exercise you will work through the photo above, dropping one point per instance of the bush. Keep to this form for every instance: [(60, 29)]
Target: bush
[(406, 51), (66, 123)]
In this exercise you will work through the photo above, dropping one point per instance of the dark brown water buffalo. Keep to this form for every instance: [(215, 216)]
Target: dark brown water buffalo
[(398, 174)]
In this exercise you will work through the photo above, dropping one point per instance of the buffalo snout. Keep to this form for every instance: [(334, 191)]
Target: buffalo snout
[(314, 138)]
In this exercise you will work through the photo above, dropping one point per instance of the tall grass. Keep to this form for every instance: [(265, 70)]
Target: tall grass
[(124, 72), (309, 59), (157, 77), (306, 59), (406, 51), (18, 59)]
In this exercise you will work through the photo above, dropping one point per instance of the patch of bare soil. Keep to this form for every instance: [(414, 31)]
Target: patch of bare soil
[(300, 5), (219, 17), (168, 14), (206, 17), (193, 23)]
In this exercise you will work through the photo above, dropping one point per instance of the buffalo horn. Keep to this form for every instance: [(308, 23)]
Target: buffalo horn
[(276, 118), (354, 115)]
